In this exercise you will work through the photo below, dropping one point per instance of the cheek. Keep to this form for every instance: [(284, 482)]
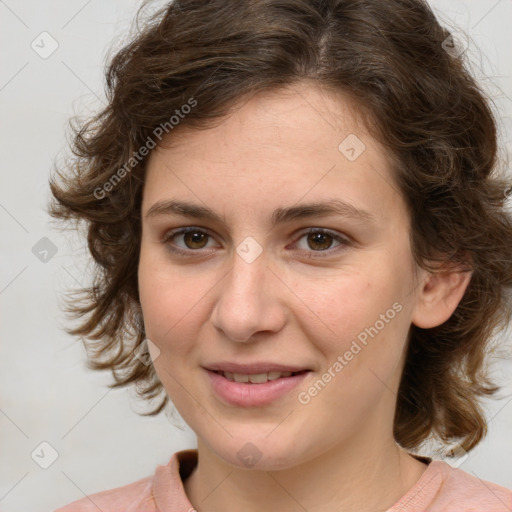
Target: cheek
[(359, 316), (168, 301), (169, 318), (347, 303)]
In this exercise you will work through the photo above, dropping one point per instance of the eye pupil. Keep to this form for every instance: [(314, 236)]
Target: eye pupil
[(195, 239), (319, 241)]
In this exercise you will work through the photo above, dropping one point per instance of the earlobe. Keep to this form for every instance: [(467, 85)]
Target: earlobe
[(439, 296)]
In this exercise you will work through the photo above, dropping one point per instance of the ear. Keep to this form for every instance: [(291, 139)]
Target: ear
[(438, 297)]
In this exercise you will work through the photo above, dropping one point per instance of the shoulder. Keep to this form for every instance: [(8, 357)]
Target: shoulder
[(136, 496), (162, 491), (473, 493), (443, 488)]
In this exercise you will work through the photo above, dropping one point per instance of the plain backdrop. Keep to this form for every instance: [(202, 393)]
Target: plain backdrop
[(52, 62)]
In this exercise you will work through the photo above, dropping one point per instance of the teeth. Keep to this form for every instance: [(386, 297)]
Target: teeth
[(255, 378)]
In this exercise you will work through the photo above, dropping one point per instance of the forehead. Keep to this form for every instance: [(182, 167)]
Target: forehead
[(288, 144), (304, 116)]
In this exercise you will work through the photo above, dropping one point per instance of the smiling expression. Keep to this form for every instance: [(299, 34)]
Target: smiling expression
[(268, 248)]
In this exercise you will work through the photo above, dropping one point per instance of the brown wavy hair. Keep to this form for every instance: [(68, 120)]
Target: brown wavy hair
[(417, 99)]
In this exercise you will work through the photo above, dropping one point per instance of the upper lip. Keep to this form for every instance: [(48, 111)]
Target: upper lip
[(254, 368)]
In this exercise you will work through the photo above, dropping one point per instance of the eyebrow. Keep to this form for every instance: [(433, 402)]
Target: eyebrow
[(279, 216)]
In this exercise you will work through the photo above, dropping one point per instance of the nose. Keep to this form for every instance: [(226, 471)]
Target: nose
[(250, 301)]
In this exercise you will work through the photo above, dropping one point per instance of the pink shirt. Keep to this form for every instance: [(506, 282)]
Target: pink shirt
[(441, 488)]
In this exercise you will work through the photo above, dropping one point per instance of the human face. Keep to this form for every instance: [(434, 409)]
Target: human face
[(249, 286)]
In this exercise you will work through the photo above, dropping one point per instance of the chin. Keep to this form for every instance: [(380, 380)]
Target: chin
[(258, 454)]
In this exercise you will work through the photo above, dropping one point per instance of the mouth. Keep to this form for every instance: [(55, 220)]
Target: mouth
[(254, 385), (257, 378)]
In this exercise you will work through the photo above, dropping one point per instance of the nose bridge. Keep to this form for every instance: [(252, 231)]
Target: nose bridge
[(247, 301)]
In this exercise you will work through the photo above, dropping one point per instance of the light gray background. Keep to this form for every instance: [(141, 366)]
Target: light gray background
[(46, 393)]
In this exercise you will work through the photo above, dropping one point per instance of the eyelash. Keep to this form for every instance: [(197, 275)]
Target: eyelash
[(168, 237)]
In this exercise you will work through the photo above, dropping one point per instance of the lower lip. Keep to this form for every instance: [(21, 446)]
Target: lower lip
[(253, 395)]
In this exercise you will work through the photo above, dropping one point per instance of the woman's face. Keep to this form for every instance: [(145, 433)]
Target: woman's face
[(296, 259)]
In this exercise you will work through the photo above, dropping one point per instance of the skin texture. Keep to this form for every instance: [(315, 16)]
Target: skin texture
[(294, 304)]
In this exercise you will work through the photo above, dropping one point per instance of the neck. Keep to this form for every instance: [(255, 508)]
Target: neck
[(344, 478)]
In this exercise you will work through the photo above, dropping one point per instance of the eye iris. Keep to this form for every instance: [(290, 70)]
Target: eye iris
[(319, 241), (195, 239)]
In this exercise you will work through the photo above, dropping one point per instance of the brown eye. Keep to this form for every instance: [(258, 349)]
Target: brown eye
[(195, 239), (189, 241), (319, 241)]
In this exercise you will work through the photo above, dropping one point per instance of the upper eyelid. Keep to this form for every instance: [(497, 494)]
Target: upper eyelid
[(168, 235)]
